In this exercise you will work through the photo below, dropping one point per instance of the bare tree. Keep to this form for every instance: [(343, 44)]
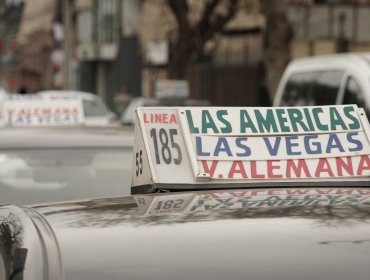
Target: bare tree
[(278, 37), (191, 37)]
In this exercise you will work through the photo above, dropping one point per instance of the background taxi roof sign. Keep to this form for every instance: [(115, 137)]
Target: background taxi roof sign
[(182, 147), (38, 110)]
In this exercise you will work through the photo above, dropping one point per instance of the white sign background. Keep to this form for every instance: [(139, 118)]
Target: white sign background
[(42, 111)]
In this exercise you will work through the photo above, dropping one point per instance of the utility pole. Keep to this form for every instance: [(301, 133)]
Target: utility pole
[(68, 42)]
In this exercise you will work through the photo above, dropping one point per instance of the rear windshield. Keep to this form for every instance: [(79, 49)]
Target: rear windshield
[(94, 108), (312, 88), (40, 176)]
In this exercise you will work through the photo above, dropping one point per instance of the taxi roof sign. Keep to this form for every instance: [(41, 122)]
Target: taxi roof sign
[(216, 146), (39, 110)]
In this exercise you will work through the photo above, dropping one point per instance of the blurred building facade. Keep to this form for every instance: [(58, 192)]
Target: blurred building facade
[(324, 27), (107, 50), (125, 44), (10, 14), (100, 44), (228, 72)]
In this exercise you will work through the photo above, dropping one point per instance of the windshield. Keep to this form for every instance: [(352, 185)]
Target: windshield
[(94, 108), (39, 176)]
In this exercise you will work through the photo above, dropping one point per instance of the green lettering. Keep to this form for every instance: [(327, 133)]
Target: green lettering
[(246, 122), (191, 123), (316, 112), (347, 112), (296, 117), (309, 119), (208, 123), (336, 119), (266, 123), (282, 120), (227, 126)]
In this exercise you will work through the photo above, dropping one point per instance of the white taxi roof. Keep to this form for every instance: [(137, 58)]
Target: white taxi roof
[(82, 94), (335, 61)]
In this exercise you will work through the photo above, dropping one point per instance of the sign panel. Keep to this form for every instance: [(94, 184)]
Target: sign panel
[(233, 145), (172, 89), (37, 110)]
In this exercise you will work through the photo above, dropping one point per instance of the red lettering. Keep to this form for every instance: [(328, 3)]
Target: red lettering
[(344, 191), (323, 191), (342, 165), (236, 194), (254, 173), (173, 118), (323, 167), (254, 193), (274, 192), (209, 196), (46, 111), (298, 191), (271, 168), (363, 192), (210, 171), (164, 118), (157, 118), (10, 112), (144, 117), (240, 170), (297, 168), (363, 165)]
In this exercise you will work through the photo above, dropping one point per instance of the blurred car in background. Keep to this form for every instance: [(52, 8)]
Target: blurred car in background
[(96, 112), (46, 164), (127, 117), (326, 80), (3, 94)]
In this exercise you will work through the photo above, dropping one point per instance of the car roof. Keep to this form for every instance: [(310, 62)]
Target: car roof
[(242, 236), (83, 94), (333, 60), (65, 137)]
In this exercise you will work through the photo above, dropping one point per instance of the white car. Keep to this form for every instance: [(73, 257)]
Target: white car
[(96, 112), (326, 80)]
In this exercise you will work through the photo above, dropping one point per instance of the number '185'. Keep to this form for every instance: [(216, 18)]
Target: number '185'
[(165, 145)]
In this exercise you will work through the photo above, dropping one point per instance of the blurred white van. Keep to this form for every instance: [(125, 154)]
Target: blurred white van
[(96, 112), (326, 80)]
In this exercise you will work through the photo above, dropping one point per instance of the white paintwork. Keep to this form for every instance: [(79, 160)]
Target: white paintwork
[(355, 65)]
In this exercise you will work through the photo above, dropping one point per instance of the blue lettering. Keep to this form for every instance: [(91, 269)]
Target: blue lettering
[(222, 146), (273, 150), (198, 144), (290, 144), (239, 144), (334, 143), (358, 143), (310, 145)]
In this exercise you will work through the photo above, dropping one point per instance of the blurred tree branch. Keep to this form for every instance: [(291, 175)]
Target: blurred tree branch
[(192, 37)]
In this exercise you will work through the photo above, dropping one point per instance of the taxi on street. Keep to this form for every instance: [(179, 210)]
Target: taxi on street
[(48, 152), (216, 193)]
